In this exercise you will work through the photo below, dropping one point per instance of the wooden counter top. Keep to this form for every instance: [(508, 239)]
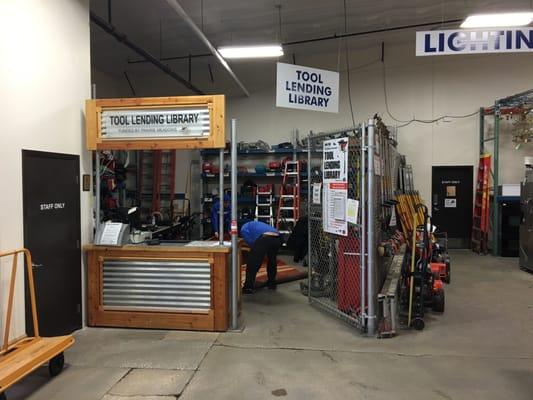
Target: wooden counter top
[(161, 249)]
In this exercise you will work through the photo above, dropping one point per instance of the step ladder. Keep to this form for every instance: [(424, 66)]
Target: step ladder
[(264, 201), (156, 182), (289, 198), (480, 220)]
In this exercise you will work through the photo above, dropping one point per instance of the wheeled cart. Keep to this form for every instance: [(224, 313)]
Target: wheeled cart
[(24, 355)]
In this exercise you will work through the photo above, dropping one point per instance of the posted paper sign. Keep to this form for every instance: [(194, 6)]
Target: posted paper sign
[(307, 88), (316, 193), (474, 41), (335, 192), (352, 211), (450, 203), (111, 233)]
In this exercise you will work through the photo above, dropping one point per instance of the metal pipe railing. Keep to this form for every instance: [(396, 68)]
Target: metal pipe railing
[(309, 198), (371, 270), (234, 237), (221, 197), (363, 226)]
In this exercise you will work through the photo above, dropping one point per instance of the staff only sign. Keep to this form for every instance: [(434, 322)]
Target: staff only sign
[(439, 43), (307, 88)]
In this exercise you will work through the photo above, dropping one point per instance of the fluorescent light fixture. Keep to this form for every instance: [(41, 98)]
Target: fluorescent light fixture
[(498, 20), (251, 51)]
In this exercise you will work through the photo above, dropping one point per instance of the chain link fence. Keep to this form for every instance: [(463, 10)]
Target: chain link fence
[(338, 264), (336, 280)]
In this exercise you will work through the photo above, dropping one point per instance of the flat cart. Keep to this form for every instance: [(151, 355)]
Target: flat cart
[(24, 355)]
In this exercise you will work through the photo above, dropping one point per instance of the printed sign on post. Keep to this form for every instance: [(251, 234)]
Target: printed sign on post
[(316, 193), (335, 191), (475, 41), (307, 88)]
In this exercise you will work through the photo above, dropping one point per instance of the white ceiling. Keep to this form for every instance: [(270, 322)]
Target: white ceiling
[(154, 26)]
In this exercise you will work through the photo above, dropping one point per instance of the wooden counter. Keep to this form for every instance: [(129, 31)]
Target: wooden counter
[(163, 287)]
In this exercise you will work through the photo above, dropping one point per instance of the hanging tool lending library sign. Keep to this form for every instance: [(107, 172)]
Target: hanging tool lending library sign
[(307, 88), (335, 186), (156, 123), (478, 41)]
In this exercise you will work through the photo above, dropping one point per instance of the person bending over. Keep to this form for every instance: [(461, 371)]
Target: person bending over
[(215, 215), (264, 240)]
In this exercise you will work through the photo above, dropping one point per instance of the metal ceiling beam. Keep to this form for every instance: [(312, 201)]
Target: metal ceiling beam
[(181, 12), (122, 38)]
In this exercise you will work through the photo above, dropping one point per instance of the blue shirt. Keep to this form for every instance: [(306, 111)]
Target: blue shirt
[(215, 217), (252, 230)]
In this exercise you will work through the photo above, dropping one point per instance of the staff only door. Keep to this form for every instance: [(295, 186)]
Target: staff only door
[(51, 196), (452, 203)]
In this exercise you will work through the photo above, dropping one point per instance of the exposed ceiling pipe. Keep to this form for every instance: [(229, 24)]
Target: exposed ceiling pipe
[(181, 12), (174, 58), (323, 38), (395, 28), (110, 29)]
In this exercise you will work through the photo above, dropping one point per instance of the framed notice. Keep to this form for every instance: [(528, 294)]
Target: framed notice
[(154, 123)]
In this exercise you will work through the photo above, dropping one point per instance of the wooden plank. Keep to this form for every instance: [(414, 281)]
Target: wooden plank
[(216, 139), (134, 250), (93, 279), (91, 124), (28, 355), (10, 297), (155, 320), (220, 291)]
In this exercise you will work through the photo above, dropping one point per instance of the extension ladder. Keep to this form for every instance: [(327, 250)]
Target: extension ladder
[(263, 204), (289, 198), (480, 220)]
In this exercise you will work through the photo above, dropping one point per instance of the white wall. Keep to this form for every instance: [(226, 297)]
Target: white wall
[(421, 87), (44, 80), (425, 88)]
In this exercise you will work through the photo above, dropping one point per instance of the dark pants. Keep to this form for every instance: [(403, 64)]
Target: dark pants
[(264, 246)]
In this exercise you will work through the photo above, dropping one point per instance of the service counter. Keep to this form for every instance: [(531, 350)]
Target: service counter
[(164, 287)]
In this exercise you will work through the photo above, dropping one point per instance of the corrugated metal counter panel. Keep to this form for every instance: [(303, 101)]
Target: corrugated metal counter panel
[(157, 285)]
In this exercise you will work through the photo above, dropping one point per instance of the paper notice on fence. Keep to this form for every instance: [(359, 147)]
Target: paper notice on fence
[(335, 190), (352, 211), (316, 193)]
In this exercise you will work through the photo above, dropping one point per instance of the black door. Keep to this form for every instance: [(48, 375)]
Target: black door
[(452, 203), (51, 196)]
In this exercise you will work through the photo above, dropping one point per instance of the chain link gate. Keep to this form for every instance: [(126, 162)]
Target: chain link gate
[(336, 280), (338, 265)]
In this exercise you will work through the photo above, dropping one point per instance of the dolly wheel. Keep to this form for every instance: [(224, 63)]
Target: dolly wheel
[(55, 365), (3, 396), (438, 301), (418, 324)]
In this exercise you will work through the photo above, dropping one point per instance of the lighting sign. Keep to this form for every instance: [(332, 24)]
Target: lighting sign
[(479, 41)]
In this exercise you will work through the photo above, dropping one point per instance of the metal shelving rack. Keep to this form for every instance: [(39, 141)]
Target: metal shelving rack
[(272, 177), (507, 106)]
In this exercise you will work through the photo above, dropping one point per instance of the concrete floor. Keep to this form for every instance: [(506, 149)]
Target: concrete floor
[(481, 348)]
